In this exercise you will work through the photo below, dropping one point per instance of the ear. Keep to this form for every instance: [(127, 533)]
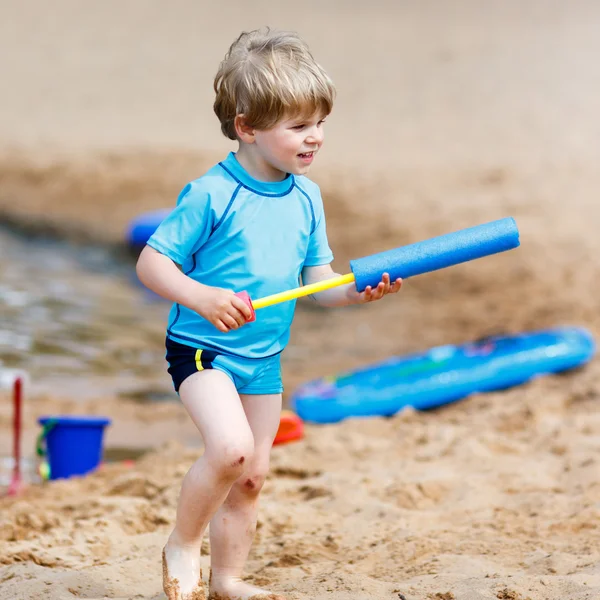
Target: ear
[(245, 132)]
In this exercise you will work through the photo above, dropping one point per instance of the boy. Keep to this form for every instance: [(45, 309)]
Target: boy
[(253, 222)]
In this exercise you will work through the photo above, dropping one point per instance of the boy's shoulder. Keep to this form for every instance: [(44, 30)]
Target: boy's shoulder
[(308, 186), (215, 177), (214, 185)]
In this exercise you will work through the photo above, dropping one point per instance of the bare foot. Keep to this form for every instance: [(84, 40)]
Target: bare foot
[(182, 577), (236, 589)]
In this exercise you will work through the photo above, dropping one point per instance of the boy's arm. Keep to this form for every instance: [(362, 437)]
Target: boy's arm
[(160, 274), (344, 295), (219, 306)]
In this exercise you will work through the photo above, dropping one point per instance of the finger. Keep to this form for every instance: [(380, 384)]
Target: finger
[(237, 316), (242, 307), (379, 291), (397, 285), (221, 326), (229, 321), (366, 294)]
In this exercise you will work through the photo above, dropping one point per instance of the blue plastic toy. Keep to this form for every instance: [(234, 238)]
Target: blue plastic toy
[(73, 444), (436, 253), (406, 261), (442, 375), (143, 226)]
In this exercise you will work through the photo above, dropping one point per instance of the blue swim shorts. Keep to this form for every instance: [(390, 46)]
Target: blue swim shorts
[(249, 375)]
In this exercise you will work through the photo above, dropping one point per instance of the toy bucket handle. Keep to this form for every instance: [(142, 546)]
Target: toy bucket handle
[(41, 449)]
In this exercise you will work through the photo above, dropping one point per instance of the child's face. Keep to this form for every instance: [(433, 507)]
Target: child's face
[(290, 146)]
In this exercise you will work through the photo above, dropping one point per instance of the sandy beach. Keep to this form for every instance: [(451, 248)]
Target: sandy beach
[(447, 116)]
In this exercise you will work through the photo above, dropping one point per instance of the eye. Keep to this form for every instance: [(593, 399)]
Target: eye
[(321, 122), (299, 127)]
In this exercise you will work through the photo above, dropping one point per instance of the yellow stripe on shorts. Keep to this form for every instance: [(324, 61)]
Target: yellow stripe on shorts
[(199, 360)]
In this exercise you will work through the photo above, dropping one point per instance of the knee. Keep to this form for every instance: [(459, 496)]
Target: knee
[(231, 458), (251, 481)]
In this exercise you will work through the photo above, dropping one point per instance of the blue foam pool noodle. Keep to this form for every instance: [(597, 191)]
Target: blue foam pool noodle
[(436, 253)]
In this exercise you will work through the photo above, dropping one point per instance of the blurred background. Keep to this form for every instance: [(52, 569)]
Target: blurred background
[(449, 114)]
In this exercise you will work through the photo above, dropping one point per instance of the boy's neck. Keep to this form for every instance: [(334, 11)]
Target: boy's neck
[(256, 166)]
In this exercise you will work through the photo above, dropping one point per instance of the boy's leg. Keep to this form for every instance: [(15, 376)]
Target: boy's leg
[(214, 405), (233, 526)]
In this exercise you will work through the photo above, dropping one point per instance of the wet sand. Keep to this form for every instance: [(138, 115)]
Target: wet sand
[(447, 117)]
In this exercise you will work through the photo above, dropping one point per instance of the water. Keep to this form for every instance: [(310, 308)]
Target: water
[(76, 319)]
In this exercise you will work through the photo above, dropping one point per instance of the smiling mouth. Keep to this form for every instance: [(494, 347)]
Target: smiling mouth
[(306, 154)]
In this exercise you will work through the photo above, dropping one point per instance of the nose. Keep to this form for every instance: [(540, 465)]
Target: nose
[(315, 135)]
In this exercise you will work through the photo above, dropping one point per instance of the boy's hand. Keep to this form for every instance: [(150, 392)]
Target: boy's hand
[(223, 309), (384, 287)]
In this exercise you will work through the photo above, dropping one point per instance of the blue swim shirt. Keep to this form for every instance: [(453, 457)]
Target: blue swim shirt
[(232, 231)]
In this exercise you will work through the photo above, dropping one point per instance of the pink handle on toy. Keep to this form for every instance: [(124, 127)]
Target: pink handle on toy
[(248, 301)]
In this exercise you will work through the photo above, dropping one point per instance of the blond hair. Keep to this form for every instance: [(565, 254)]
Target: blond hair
[(268, 76)]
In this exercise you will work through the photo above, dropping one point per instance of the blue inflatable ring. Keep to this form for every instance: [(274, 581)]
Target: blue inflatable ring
[(442, 375)]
